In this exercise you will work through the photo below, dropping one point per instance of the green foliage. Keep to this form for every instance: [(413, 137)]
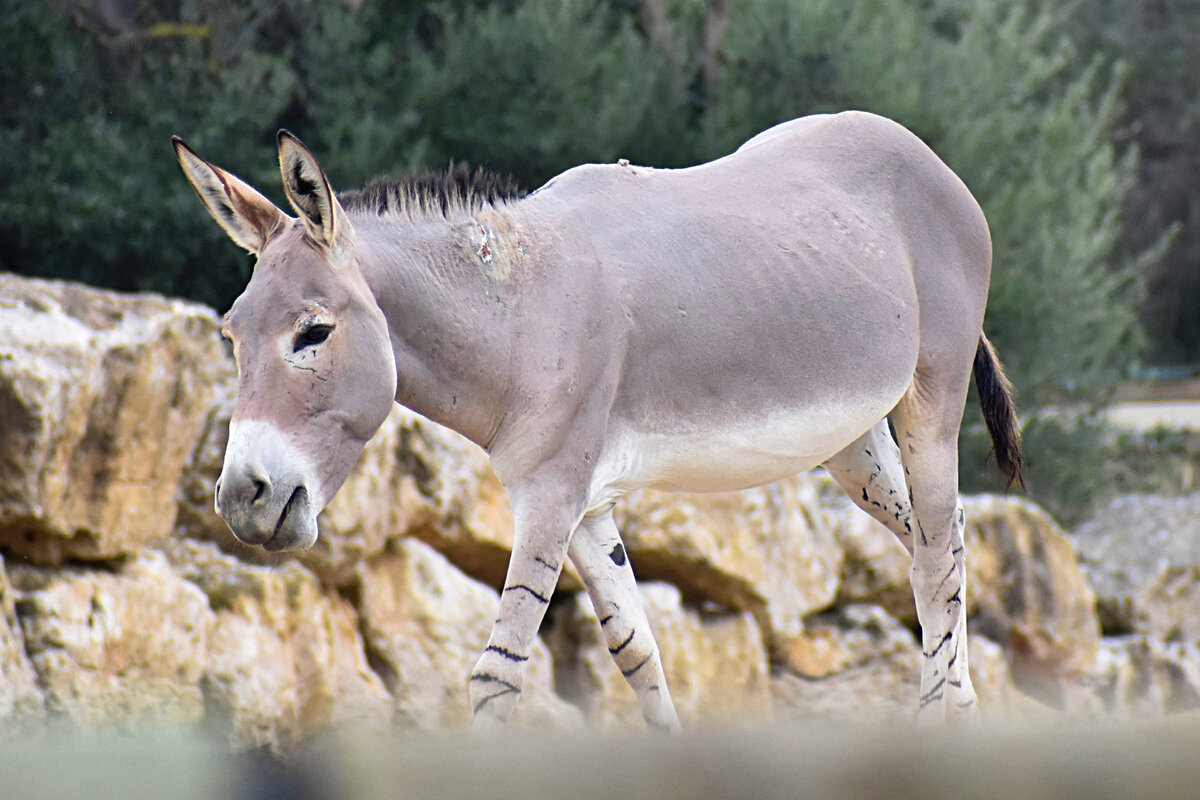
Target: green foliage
[(550, 84), (90, 190), (1160, 44)]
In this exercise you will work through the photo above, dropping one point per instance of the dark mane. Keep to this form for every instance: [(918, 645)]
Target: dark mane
[(431, 191)]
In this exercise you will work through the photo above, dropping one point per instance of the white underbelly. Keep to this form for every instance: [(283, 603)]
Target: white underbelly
[(727, 458)]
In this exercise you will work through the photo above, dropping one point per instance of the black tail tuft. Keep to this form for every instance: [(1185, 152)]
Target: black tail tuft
[(999, 412)]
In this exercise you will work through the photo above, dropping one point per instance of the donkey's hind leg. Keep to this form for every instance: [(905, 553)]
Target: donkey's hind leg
[(927, 432), (870, 472), (598, 554)]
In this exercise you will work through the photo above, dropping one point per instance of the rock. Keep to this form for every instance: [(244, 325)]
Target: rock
[(284, 660), (768, 550), (875, 565), (848, 638), (20, 697), (1026, 591), (999, 697), (102, 397), (196, 517), (1024, 588), (715, 663), (425, 624), (852, 664), (1142, 554), (858, 664), (1169, 607), (122, 649), (1136, 677)]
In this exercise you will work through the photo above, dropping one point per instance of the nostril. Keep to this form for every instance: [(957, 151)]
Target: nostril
[(260, 489)]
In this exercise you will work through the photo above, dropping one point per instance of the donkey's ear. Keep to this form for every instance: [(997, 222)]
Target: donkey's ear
[(308, 190), (249, 218)]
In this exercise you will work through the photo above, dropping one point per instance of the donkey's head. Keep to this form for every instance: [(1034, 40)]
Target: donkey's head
[(316, 375)]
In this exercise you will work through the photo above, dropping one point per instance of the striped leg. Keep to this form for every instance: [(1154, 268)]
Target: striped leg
[(542, 530), (870, 472), (598, 554), (938, 575)]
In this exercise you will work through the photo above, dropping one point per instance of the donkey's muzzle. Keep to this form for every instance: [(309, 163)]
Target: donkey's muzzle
[(263, 492)]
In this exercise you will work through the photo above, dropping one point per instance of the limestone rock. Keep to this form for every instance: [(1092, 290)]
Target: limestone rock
[(847, 638), (1137, 677), (425, 624), (715, 663), (196, 517), (20, 698), (999, 696), (1142, 554), (768, 550), (853, 664), (123, 649), (283, 660), (1027, 592), (102, 397), (858, 664), (875, 565)]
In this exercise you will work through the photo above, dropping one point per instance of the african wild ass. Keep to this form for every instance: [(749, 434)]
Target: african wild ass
[(700, 329)]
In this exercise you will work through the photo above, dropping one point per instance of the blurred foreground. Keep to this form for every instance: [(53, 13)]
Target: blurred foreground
[(1152, 760)]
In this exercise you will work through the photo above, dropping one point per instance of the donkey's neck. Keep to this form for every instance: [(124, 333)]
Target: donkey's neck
[(449, 321)]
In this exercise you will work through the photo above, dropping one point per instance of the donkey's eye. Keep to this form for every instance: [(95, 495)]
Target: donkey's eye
[(313, 335)]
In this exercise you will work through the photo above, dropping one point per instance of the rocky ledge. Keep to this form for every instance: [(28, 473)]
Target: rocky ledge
[(126, 604)]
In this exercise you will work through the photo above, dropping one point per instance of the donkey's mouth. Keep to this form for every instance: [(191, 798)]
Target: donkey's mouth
[(283, 538)]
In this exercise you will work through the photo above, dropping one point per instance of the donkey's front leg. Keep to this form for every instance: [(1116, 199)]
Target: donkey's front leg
[(543, 525)]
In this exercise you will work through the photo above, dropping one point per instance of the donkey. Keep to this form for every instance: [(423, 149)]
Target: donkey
[(701, 329)]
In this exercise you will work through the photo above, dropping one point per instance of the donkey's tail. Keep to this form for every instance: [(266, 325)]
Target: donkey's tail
[(999, 412)]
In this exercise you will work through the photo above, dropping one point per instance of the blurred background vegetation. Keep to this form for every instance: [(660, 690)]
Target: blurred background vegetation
[(1076, 124)]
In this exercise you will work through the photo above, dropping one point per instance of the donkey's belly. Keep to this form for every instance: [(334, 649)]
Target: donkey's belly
[(727, 457)]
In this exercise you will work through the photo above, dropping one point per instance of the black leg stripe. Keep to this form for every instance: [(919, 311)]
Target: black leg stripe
[(628, 673), (506, 653), (545, 563), (622, 645), (483, 677), (927, 700), (949, 575), (949, 635), (929, 696), (492, 697), (541, 598), (606, 620)]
